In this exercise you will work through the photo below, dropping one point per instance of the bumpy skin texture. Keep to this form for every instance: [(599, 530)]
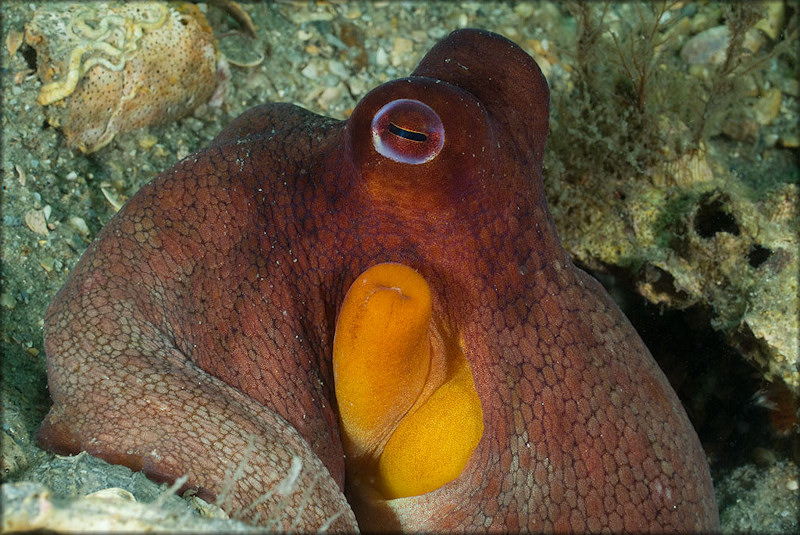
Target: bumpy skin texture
[(202, 318)]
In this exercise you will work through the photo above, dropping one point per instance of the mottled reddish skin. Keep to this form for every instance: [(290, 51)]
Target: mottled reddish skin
[(206, 307)]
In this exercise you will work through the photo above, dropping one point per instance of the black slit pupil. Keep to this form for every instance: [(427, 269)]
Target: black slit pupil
[(407, 134)]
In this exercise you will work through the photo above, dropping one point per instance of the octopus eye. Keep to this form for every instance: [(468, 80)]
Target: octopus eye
[(407, 131), (408, 134)]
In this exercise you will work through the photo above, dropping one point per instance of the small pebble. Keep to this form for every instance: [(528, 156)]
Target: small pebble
[(524, 10), (419, 36), (358, 86), (47, 264), (330, 95), (772, 23), (401, 51), (310, 71), (14, 41), (764, 456), (768, 106), (335, 41), (338, 68), (770, 140), (196, 125), (148, 141), (706, 47), (7, 300), (381, 58), (789, 141), (79, 224)]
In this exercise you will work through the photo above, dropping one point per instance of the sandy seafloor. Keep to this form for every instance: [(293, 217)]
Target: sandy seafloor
[(307, 63)]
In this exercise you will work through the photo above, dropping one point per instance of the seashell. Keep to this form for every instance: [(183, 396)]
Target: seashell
[(112, 493), (112, 67), (36, 221)]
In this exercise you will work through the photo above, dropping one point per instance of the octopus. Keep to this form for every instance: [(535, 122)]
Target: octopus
[(372, 324)]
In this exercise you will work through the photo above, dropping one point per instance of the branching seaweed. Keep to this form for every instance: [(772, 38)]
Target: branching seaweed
[(612, 114), (726, 82), (633, 103)]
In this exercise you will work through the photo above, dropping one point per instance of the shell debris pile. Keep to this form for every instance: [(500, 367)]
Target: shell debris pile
[(112, 67)]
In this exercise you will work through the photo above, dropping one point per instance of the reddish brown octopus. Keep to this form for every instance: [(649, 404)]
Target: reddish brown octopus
[(475, 378)]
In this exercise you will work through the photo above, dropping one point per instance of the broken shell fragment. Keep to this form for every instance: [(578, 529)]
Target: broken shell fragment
[(112, 67), (36, 221)]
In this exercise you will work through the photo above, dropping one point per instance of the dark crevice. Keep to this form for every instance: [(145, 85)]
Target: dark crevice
[(29, 54), (712, 217), (758, 255)]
